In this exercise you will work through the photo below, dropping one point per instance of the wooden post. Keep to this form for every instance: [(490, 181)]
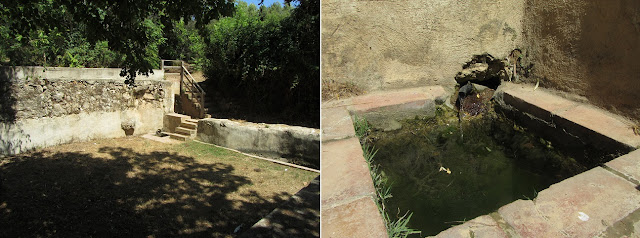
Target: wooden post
[(181, 76)]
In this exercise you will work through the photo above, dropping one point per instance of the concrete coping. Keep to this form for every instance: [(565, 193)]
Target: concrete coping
[(68, 73), (608, 195)]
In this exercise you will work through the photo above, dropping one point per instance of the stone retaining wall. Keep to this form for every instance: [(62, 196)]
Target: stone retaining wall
[(42, 107)]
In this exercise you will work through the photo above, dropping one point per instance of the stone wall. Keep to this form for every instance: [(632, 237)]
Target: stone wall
[(42, 107), (589, 48), (394, 44)]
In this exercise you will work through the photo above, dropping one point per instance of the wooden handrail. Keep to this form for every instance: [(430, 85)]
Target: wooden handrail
[(187, 82)]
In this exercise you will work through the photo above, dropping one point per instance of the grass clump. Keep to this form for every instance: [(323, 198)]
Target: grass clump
[(395, 228)]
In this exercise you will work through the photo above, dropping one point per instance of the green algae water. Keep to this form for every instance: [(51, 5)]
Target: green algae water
[(446, 172)]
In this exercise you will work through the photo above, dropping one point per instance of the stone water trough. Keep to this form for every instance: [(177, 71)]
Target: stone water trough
[(603, 201)]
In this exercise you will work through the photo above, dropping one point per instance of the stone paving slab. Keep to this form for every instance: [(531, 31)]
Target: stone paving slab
[(628, 227), (336, 103), (581, 206), (336, 124), (345, 173), (359, 218), (408, 98), (628, 165), (482, 226), (527, 221)]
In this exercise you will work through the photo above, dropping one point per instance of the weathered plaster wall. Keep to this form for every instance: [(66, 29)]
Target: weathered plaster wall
[(589, 48), (61, 105), (394, 44), (298, 145)]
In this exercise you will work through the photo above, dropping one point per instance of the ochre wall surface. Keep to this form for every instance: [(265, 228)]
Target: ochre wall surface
[(589, 48), (396, 44)]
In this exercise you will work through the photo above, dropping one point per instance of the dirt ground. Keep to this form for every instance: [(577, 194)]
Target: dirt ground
[(134, 187)]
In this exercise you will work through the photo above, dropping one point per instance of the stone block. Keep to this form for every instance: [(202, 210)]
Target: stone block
[(581, 206), (412, 98), (359, 218), (628, 165), (345, 173), (538, 103), (172, 120), (604, 123), (336, 124), (527, 221)]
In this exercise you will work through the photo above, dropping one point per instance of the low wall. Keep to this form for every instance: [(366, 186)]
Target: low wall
[(293, 144), (41, 107)]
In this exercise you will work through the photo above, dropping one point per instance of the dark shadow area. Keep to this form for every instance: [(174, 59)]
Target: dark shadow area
[(7, 100), (298, 217), (225, 103), (589, 48), (126, 194), (300, 151), (12, 139), (608, 48)]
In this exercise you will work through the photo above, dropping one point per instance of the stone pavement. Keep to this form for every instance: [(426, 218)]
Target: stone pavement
[(601, 202)]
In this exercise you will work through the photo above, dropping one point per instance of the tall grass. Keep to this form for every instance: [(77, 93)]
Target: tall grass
[(397, 228)]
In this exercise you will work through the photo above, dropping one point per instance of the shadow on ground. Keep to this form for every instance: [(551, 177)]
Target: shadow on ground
[(298, 217), (126, 194)]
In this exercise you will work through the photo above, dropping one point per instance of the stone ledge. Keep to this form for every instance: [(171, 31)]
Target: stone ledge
[(359, 218), (345, 173), (412, 98), (628, 165), (336, 124), (592, 124), (482, 226), (603, 196)]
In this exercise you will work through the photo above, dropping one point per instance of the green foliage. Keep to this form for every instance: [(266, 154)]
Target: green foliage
[(269, 57), (361, 126), (184, 42), (35, 32), (399, 227)]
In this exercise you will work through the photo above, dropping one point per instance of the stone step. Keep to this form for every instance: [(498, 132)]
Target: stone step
[(185, 131), (192, 121), (178, 117), (189, 125), (179, 137)]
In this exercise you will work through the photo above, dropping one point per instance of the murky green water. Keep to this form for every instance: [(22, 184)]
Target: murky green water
[(447, 173)]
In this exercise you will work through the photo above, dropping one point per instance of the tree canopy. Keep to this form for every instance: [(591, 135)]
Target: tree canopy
[(132, 29)]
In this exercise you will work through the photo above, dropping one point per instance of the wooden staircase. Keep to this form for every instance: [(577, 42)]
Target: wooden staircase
[(191, 100)]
